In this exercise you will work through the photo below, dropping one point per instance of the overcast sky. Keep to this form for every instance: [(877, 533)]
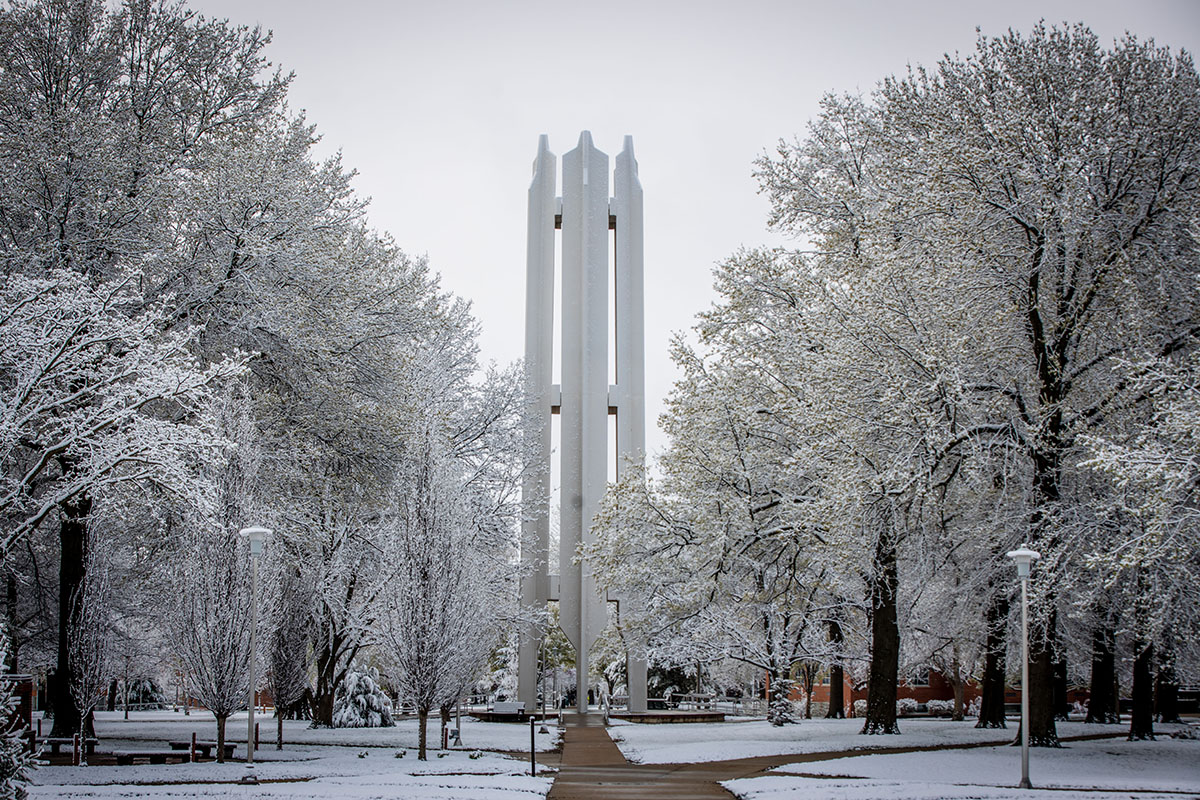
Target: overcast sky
[(439, 103)]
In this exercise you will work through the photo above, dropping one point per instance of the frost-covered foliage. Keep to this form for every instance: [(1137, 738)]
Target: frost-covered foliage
[(906, 706), (868, 424), (360, 702), (210, 615), (940, 708), (782, 709), (15, 758)]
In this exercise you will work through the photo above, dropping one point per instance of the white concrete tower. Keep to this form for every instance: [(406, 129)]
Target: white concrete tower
[(584, 398)]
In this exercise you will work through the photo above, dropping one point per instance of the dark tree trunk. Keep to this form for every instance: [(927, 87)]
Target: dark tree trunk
[(837, 678), (445, 714), (422, 734), (10, 596), (1042, 731), (72, 542), (1062, 707), (279, 712), (885, 639), (1101, 703), (959, 686), (1141, 720), (111, 705), (221, 738), (328, 677), (1166, 686), (991, 702)]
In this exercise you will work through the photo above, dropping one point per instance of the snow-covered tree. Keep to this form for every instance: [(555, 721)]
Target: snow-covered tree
[(449, 581), (361, 703), (1055, 180), (211, 615), (15, 758)]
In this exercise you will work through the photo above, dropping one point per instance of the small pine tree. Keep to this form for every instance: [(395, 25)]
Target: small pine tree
[(360, 703), (15, 759), (782, 710)]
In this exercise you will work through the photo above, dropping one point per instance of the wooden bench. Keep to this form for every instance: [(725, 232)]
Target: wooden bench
[(203, 748), (56, 743), (127, 757)]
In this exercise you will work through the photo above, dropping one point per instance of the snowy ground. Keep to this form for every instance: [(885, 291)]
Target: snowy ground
[(678, 744), (1108, 769), (344, 763), (363, 764)]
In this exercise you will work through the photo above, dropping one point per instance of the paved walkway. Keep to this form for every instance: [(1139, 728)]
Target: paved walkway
[(592, 767)]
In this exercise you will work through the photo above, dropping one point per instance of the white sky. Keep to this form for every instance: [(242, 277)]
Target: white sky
[(439, 103)]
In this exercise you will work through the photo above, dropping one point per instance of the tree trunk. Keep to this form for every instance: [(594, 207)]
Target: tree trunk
[(326, 688), (72, 541), (837, 678), (991, 702), (960, 694), (111, 704), (1062, 707), (279, 728), (422, 735), (885, 639), (221, 738), (1141, 720), (1101, 705), (837, 693), (445, 713), (1166, 686), (1042, 731)]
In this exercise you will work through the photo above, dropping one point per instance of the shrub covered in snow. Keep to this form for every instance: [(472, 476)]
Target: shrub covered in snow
[(973, 708), (860, 708), (782, 710), (14, 755), (360, 703), (940, 708), (906, 706)]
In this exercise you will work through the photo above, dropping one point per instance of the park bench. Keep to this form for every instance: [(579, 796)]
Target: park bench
[(56, 743), (204, 748), (127, 757), (509, 709)]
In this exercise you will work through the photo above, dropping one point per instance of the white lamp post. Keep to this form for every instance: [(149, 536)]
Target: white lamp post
[(1023, 557), (256, 536)]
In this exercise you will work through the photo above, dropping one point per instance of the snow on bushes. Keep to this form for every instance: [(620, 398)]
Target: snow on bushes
[(906, 706), (940, 708), (360, 703)]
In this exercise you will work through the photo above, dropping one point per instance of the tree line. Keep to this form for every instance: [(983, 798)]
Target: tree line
[(199, 332), (986, 335)]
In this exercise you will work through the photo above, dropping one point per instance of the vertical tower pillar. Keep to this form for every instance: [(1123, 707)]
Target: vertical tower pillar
[(539, 363)]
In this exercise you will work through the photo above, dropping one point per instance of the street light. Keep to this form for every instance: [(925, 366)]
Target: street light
[(1023, 557), (256, 535)]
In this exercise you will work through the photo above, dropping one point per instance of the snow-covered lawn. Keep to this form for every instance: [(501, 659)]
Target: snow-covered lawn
[(162, 726), (689, 743), (1106, 769), (342, 763)]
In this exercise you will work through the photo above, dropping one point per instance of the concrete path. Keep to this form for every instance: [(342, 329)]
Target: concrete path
[(592, 767)]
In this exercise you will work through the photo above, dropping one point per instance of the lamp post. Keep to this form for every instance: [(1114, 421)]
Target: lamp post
[(256, 535), (1023, 557)]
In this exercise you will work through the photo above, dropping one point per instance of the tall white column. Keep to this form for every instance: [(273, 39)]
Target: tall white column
[(584, 404), (631, 363), (535, 488)]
